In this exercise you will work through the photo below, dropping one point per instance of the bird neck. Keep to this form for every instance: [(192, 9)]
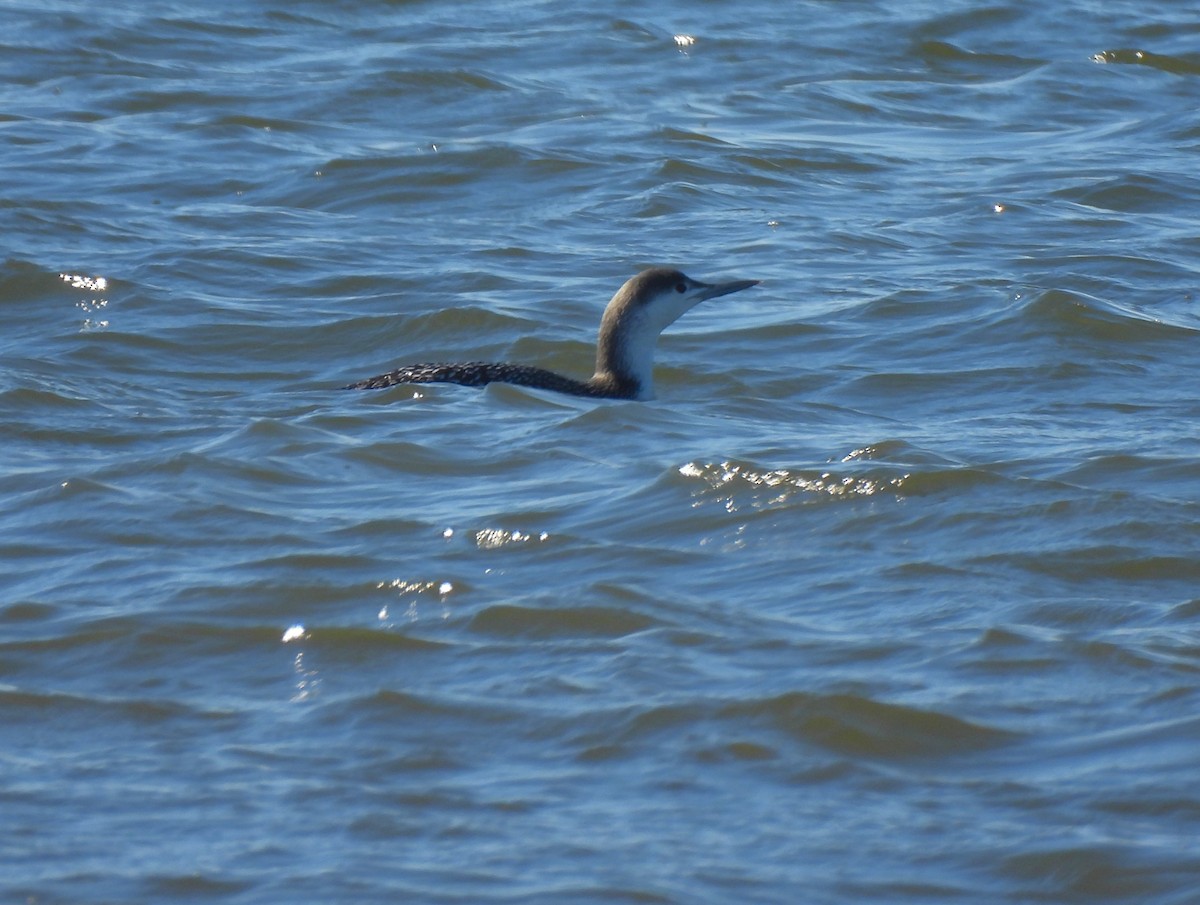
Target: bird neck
[(625, 352)]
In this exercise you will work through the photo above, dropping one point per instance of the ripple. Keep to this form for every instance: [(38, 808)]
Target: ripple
[(1075, 314), (1132, 193), (510, 620), (734, 485), (497, 538), (1165, 62), (849, 725), (199, 884), (1103, 872), (100, 710)]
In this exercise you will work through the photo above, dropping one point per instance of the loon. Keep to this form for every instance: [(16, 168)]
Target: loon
[(642, 308)]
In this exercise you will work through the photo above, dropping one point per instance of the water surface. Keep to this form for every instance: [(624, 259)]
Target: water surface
[(890, 595)]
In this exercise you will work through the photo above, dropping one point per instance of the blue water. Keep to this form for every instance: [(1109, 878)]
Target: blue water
[(890, 595)]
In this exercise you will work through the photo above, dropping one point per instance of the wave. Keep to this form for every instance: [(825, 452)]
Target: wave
[(762, 728), (1075, 313), (517, 620), (891, 469), (1178, 65)]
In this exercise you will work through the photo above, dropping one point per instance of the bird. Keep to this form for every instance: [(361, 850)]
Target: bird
[(642, 308)]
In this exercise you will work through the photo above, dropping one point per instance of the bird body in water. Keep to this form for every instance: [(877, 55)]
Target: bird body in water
[(642, 308)]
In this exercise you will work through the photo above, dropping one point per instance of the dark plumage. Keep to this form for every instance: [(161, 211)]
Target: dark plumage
[(481, 373)]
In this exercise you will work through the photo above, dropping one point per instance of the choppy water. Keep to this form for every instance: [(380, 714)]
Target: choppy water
[(891, 595)]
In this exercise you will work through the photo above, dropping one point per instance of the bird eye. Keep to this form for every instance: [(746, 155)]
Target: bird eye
[(680, 287)]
